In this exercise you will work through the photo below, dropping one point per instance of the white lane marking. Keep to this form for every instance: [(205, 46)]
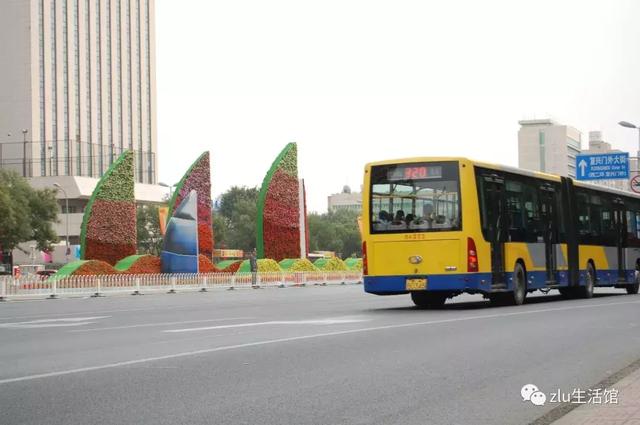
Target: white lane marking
[(296, 338), (145, 325), (52, 323), (272, 322)]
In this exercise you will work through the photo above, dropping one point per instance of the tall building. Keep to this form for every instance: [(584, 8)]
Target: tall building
[(545, 145), (77, 89), (77, 86)]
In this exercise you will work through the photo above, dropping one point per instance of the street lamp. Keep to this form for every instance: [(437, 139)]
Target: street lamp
[(629, 125), (66, 201), (24, 152), (170, 186)]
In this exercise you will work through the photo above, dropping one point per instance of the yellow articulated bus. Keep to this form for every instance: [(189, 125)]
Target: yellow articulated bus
[(439, 227)]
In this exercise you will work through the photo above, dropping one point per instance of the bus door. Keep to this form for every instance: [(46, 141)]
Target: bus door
[(620, 230), (549, 222), (496, 225)]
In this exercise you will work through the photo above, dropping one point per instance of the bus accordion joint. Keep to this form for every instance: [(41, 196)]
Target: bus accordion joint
[(472, 256)]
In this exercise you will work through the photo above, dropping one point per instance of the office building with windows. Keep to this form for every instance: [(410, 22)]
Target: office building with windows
[(77, 89), (346, 200), (77, 86), (544, 145)]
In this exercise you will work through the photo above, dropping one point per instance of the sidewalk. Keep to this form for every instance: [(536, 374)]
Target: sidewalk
[(626, 412)]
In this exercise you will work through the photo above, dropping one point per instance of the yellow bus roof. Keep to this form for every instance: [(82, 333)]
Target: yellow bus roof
[(514, 170)]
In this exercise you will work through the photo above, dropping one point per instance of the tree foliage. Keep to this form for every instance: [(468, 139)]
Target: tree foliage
[(26, 214), (148, 226), (234, 224), (335, 231)]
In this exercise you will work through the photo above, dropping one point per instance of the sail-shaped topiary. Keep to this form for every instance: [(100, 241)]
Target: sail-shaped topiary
[(109, 224)]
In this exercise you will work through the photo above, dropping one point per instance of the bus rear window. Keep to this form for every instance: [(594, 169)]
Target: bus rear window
[(418, 197)]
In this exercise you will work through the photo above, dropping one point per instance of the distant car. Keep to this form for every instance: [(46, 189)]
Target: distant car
[(44, 274)]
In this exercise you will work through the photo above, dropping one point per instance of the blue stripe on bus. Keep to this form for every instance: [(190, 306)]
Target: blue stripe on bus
[(481, 282), (468, 282)]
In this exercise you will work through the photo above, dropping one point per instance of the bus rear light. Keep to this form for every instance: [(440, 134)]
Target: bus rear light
[(472, 256), (365, 265)]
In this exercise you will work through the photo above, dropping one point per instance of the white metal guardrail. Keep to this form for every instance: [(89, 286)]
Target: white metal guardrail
[(33, 287)]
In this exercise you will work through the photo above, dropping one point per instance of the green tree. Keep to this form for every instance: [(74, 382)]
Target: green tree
[(335, 231), (26, 214), (148, 227), (234, 223)]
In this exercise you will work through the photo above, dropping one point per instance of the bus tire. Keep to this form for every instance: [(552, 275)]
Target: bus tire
[(586, 291), (519, 293), (428, 299), (633, 288)]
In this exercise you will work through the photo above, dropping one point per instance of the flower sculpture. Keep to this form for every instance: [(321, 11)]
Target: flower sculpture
[(281, 222), (180, 246), (198, 178), (109, 224)]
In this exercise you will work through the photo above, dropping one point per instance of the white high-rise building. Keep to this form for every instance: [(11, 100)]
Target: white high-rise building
[(77, 86), (544, 145)]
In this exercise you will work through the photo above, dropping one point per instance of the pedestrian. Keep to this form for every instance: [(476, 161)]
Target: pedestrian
[(253, 263)]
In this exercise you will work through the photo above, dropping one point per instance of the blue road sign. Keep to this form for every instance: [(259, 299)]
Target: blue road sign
[(606, 166)]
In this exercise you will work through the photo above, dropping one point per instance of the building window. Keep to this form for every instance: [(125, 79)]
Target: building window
[(139, 88), (65, 93), (109, 85), (542, 151), (88, 132), (119, 76), (129, 67), (76, 45), (148, 88), (53, 155), (43, 136), (99, 91)]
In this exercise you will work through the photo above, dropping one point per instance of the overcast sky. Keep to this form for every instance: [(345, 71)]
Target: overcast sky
[(353, 81)]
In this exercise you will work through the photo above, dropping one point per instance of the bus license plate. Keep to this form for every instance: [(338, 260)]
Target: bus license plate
[(416, 284)]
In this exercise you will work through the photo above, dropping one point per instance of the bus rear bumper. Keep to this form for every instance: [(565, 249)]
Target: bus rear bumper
[(472, 283)]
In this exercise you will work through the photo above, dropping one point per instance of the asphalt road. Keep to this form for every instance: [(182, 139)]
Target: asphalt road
[(315, 355)]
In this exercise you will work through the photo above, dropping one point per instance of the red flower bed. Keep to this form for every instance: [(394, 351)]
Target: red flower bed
[(108, 252), (93, 268), (146, 265), (281, 224), (205, 239), (232, 268), (205, 265)]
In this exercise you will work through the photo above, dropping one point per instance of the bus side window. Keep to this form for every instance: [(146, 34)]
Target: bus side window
[(607, 222), (584, 225), (532, 215)]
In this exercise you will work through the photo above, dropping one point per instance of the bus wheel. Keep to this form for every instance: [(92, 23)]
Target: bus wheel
[(428, 299), (586, 291), (519, 286), (633, 288)]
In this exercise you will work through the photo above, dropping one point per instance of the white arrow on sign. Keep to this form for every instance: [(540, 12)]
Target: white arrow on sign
[(583, 165)]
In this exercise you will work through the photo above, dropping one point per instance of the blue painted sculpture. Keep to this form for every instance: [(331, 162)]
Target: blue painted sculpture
[(180, 247)]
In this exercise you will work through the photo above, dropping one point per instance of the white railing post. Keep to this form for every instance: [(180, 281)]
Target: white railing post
[(233, 282), (344, 278), (173, 285), (3, 289), (98, 287), (54, 289), (304, 279), (204, 284), (281, 280), (137, 290)]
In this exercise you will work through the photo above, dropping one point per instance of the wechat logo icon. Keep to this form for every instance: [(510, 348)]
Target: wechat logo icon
[(533, 394)]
